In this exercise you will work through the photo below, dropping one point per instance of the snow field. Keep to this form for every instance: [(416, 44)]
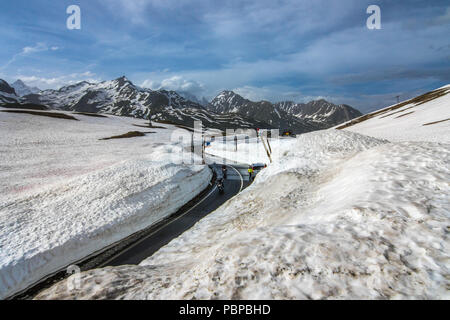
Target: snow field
[(421, 122), (339, 216), (65, 194)]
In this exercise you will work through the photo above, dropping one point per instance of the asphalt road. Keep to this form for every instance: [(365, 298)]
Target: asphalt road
[(237, 180)]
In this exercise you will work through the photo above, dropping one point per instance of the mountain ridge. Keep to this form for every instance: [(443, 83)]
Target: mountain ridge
[(321, 112), (227, 110)]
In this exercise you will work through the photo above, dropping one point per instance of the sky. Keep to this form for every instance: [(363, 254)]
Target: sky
[(275, 50)]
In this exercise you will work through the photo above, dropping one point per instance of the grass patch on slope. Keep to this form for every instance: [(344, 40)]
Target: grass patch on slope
[(417, 101), (435, 122), (44, 114)]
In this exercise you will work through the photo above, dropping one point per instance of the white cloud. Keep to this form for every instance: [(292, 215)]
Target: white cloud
[(262, 93), (28, 50), (286, 19), (59, 81), (176, 83), (39, 47), (133, 11)]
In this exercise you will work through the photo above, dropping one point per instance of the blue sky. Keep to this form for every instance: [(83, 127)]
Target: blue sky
[(274, 50)]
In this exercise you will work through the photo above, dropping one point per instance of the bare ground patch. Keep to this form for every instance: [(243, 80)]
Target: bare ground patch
[(28, 106), (91, 114), (400, 111), (178, 125), (127, 135), (185, 128), (431, 123), (149, 126), (404, 114), (44, 114)]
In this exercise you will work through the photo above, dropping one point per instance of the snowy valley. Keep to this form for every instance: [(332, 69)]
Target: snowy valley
[(358, 212), (225, 159)]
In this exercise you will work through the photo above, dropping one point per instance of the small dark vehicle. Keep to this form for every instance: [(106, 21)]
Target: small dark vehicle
[(259, 166), (224, 171), (288, 133), (220, 186)]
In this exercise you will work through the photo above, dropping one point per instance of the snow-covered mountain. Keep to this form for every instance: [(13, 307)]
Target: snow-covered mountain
[(423, 118), (228, 110), (22, 89), (264, 111), (227, 102), (297, 116), (121, 97), (320, 111)]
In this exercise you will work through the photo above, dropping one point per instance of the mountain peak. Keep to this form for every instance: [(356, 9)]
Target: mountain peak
[(320, 110), (227, 101), (227, 93), (319, 101), (18, 81), (22, 89), (123, 81), (123, 78)]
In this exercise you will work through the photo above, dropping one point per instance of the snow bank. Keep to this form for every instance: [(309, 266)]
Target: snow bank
[(65, 194), (339, 216)]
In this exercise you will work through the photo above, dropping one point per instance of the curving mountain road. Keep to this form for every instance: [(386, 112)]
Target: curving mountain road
[(237, 179), (141, 245)]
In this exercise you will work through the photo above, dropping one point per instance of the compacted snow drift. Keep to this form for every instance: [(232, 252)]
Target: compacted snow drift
[(338, 216), (66, 193)]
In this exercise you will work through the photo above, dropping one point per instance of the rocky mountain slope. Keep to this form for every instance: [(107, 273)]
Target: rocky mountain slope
[(122, 97), (297, 116), (228, 110), (7, 93), (320, 111)]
